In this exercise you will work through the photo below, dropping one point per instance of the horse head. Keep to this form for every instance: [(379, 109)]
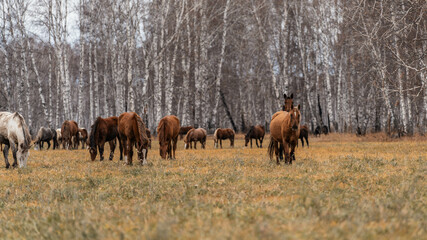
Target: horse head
[(289, 102), (295, 118)]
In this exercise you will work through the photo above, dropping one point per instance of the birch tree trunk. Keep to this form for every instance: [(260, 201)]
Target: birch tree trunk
[(81, 67), (215, 117)]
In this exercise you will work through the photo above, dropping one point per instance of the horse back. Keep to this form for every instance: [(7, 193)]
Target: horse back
[(276, 125)]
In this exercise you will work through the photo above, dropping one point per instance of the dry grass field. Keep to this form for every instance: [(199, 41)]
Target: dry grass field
[(342, 187)]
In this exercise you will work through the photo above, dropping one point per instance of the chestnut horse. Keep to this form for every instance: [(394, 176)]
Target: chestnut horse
[(69, 129), (222, 134), (184, 130), (168, 131), (104, 130), (195, 135), (83, 136), (304, 134), (282, 127), (132, 131), (255, 132), (290, 133)]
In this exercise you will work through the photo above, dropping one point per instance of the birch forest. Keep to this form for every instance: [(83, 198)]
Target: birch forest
[(356, 66)]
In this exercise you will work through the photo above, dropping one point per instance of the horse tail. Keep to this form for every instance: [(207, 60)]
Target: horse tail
[(271, 148), (93, 131), (141, 129)]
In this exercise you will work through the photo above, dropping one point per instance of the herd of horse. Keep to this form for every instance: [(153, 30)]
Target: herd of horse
[(129, 131)]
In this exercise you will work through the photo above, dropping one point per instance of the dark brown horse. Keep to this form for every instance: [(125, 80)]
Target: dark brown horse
[(304, 135), (132, 131), (289, 102), (83, 136), (69, 130), (45, 135), (184, 130), (195, 135), (255, 132), (168, 131), (284, 131), (104, 130), (149, 138), (222, 134)]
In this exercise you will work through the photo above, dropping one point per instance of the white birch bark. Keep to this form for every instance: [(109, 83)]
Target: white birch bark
[(186, 64), (202, 61), (215, 117), (131, 49), (81, 66), (95, 81)]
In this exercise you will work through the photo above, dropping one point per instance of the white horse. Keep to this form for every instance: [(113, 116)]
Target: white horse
[(14, 133)]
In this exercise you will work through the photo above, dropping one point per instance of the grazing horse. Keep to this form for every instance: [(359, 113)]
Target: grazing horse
[(282, 127), (195, 135), (14, 133), (104, 130), (222, 134), (255, 132), (132, 131), (149, 137), (289, 102), (319, 130), (168, 130), (45, 135), (83, 136), (184, 130), (304, 134), (69, 130)]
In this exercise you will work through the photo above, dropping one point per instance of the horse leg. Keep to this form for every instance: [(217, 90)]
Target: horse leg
[(286, 151), (175, 141), (130, 150), (48, 145), (302, 142), (101, 150), (306, 139), (276, 151), (6, 155), (14, 150), (251, 142), (220, 142), (125, 149), (112, 148), (260, 141), (195, 144), (256, 141)]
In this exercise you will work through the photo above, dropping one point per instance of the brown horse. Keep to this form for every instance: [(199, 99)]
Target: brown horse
[(290, 134), (168, 131), (304, 135), (289, 102), (69, 129), (282, 127), (83, 136), (222, 134), (195, 135), (149, 137), (255, 132), (104, 130), (132, 131), (184, 130)]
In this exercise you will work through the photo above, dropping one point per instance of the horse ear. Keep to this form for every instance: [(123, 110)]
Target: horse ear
[(284, 95), (292, 96)]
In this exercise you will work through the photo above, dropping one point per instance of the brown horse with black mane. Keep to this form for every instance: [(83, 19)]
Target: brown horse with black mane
[(222, 134), (69, 130), (255, 132), (168, 131), (195, 135), (284, 130), (132, 131), (104, 130), (184, 130)]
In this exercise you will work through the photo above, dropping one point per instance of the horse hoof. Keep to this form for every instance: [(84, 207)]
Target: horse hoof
[(101, 159), (7, 165)]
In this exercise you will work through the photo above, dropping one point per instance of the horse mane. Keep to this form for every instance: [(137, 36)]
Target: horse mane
[(161, 129), (186, 135), (93, 131), (25, 131), (141, 129), (215, 134)]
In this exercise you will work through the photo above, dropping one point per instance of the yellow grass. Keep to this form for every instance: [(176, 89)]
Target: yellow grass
[(341, 187)]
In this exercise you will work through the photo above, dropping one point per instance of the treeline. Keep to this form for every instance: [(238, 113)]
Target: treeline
[(216, 62)]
